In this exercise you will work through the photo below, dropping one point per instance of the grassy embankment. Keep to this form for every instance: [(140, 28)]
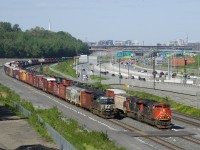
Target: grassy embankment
[(47, 71), (66, 67), (97, 78), (78, 136)]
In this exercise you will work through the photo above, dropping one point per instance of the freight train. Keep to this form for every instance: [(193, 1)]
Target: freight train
[(105, 104)]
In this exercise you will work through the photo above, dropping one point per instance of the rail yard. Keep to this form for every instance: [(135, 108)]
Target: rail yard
[(147, 135)]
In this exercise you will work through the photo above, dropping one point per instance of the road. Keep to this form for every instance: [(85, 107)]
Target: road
[(184, 94)]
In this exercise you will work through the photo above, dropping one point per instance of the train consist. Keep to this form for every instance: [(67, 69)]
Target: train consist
[(105, 104)]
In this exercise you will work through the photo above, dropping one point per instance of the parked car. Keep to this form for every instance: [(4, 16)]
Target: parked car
[(184, 75), (113, 74), (174, 75), (144, 71), (132, 77), (161, 74), (154, 72), (141, 79), (192, 74)]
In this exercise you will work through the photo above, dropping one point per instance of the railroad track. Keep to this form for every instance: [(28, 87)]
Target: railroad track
[(186, 121), (186, 115), (191, 139), (163, 143)]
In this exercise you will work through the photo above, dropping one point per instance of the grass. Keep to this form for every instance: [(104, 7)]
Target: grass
[(95, 77), (77, 135), (9, 95), (47, 71), (66, 67)]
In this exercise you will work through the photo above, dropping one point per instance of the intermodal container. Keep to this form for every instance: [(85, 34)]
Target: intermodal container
[(24, 76), (27, 77), (10, 71), (31, 79), (15, 72), (39, 83), (120, 102), (73, 94), (113, 92), (48, 84), (66, 82), (34, 81), (56, 88), (86, 99), (62, 91)]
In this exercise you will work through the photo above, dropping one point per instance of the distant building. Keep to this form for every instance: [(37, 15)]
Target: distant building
[(109, 42), (128, 42), (105, 43), (196, 45), (92, 43)]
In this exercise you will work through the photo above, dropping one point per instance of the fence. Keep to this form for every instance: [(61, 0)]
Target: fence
[(58, 139)]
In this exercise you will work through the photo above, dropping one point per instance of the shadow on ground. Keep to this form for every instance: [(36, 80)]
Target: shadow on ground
[(34, 147)]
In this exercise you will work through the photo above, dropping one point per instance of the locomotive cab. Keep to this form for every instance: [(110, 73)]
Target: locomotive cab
[(162, 115), (103, 106)]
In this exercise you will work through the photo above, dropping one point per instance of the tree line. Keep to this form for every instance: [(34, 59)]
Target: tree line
[(37, 42)]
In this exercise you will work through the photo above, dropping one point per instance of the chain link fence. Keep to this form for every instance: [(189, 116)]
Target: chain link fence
[(58, 139)]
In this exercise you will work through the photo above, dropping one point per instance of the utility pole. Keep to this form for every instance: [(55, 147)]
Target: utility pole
[(100, 68), (154, 75), (128, 70), (198, 64), (185, 63), (119, 73)]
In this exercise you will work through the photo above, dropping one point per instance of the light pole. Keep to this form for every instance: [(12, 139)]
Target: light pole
[(119, 73), (185, 63), (100, 68), (198, 65), (128, 69), (154, 74)]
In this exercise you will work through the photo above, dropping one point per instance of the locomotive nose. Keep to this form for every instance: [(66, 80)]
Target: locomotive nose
[(164, 115)]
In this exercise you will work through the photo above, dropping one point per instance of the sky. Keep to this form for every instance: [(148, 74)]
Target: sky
[(151, 21)]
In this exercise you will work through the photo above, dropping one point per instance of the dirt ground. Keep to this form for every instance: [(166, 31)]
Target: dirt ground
[(16, 133)]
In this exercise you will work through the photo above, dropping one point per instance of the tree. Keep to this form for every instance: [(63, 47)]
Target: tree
[(16, 28)]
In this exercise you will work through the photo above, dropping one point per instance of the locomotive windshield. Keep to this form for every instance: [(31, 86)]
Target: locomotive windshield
[(106, 100), (158, 106), (166, 106)]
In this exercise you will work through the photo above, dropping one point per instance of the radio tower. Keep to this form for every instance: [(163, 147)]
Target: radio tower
[(49, 25)]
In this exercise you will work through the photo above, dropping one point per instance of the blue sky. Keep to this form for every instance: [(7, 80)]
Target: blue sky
[(151, 21)]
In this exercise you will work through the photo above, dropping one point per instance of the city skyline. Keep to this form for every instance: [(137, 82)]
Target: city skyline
[(151, 22)]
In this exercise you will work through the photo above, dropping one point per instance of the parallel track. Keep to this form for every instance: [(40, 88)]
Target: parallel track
[(186, 115), (154, 139), (186, 121)]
